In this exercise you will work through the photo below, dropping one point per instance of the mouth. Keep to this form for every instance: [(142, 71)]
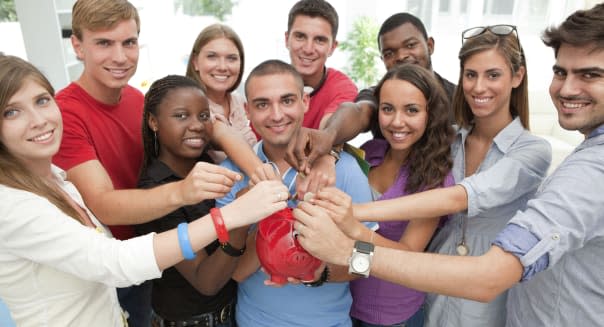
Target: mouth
[(280, 128), (220, 78), (306, 61), (194, 142), (118, 73), (570, 107), (42, 138), (399, 136), (482, 100)]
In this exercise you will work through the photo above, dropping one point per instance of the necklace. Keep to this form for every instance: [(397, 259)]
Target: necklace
[(463, 249)]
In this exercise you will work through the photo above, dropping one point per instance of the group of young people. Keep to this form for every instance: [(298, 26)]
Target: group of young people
[(105, 187)]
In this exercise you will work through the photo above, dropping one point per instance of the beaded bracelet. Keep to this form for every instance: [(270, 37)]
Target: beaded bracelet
[(184, 242)]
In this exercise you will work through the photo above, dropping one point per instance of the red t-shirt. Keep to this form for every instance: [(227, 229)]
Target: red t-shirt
[(336, 88), (110, 134)]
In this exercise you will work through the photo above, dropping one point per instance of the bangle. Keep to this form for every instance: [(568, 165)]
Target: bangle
[(322, 280), (184, 242), (221, 231), (232, 251)]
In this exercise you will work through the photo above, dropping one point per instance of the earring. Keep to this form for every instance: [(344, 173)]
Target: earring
[(155, 144)]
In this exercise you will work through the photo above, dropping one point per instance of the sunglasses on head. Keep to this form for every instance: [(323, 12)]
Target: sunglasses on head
[(500, 30)]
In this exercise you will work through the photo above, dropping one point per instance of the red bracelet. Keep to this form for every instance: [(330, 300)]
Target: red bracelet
[(221, 231)]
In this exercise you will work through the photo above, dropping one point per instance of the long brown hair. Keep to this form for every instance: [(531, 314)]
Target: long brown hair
[(208, 34), (13, 172), (509, 47), (430, 160)]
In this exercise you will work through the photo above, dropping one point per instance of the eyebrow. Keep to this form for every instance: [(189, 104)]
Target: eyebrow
[(583, 70)]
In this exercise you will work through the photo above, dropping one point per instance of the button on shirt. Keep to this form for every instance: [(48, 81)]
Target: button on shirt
[(567, 219)]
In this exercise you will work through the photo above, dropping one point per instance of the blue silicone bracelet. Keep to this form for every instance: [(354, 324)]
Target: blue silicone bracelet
[(183, 241)]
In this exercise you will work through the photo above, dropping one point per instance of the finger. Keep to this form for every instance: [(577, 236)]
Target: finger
[(217, 170)]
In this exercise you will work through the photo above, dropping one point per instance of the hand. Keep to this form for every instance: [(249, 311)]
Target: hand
[(338, 206), (308, 145), (259, 202), (264, 172), (322, 174), (206, 181), (320, 236)]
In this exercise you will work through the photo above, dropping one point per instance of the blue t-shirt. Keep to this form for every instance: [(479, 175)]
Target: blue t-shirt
[(298, 305)]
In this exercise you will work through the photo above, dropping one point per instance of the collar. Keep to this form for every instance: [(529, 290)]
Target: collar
[(504, 139), (159, 171), (320, 85), (289, 177), (596, 132)]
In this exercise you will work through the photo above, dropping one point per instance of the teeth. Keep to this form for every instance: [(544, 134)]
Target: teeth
[(569, 105), (221, 78), (482, 100), (194, 141), (42, 138)]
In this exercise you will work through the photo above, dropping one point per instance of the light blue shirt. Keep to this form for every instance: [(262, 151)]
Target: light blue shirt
[(506, 179), (298, 305), (567, 219), (5, 319)]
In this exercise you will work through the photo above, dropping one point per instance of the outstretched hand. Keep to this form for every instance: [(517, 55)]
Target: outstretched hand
[(206, 181), (322, 174), (338, 205), (306, 146), (264, 172), (320, 236), (260, 201)]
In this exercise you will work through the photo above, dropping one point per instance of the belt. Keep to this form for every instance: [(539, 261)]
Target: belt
[(209, 319)]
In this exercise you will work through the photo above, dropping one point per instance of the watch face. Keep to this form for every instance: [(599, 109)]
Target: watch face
[(360, 263)]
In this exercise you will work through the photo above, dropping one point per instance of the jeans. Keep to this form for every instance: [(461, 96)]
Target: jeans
[(158, 323), (417, 320), (136, 302)]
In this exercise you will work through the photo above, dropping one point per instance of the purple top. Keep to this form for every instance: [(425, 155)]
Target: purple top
[(373, 300)]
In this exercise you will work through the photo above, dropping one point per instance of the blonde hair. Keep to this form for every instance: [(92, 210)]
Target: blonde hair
[(13, 172), (97, 15)]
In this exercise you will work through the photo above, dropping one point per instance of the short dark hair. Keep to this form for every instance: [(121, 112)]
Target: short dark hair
[(582, 28), (314, 8), (274, 67), (399, 19)]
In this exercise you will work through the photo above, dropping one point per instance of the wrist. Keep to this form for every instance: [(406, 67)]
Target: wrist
[(219, 226), (324, 278)]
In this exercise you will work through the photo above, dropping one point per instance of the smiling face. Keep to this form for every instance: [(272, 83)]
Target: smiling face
[(31, 126), (218, 65), (577, 88), (402, 115), (487, 84), (275, 107), (310, 43), (110, 59), (183, 125), (406, 44)]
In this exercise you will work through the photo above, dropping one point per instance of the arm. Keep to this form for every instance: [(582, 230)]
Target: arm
[(209, 274), (249, 262), (236, 147), (134, 206), (477, 278), (422, 205), (347, 122)]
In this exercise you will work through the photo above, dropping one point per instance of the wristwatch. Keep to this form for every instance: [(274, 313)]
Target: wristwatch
[(360, 260)]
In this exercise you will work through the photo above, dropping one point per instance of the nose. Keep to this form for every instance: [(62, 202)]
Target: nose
[(222, 63), (568, 87), (403, 56), (38, 120), (307, 46), (119, 54), (196, 125), (479, 84), (399, 119), (276, 114)]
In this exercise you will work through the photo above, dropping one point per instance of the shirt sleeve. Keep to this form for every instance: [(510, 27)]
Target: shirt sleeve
[(565, 215), (346, 92), (36, 230), (367, 95), (76, 145), (350, 179), (232, 195), (519, 172)]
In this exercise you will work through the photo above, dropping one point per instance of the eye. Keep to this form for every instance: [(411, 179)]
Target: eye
[(180, 115), (413, 110), (288, 101), (10, 112), (261, 105), (387, 54), (299, 37), (386, 108), (205, 116), (469, 75), (42, 101), (411, 45), (590, 75), (559, 73), (494, 75), (103, 43), (233, 58), (131, 43)]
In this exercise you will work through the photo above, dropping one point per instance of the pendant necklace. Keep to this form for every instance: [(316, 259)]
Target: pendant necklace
[(462, 249)]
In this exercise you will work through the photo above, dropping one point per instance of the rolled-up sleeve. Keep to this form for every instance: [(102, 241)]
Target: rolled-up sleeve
[(519, 172)]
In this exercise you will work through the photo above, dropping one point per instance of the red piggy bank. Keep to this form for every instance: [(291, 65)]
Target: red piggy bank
[(280, 253)]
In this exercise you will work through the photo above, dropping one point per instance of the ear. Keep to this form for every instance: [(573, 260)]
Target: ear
[(287, 39), (305, 101), (246, 106), (518, 77), (77, 47), (430, 43), (152, 123), (194, 61), (333, 48)]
